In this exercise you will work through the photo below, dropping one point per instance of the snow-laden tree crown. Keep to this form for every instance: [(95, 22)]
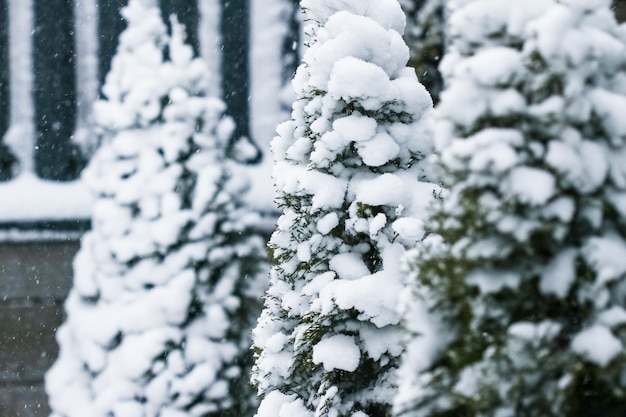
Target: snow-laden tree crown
[(524, 272), (167, 283), (348, 172)]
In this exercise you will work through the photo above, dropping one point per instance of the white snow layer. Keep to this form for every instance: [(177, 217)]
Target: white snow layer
[(607, 255), (598, 344), (337, 352), (28, 198), (559, 275)]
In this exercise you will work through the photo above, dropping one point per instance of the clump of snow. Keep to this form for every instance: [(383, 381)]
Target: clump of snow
[(409, 229), (374, 296), (559, 275), (531, 185), (281, 405), (337, 352), (495, 66), (607, 255), (348, 266), (492, 281), (380, 190), (533, 331), (327, 223), (614, 316), (583, 163), (597, 344), (387, 13)]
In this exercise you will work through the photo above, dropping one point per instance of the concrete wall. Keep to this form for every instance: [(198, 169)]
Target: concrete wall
[(35, 278)]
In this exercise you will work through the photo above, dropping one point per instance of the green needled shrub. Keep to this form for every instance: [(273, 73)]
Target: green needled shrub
[(349, 172), (523, 274)]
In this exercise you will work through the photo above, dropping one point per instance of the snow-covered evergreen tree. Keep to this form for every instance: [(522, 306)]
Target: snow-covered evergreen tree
[(424, 35), (347, 171), (167, 283), (525, 273)]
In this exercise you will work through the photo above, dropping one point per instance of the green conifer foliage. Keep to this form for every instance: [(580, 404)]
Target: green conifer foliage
[(347, 171), (524, 274)]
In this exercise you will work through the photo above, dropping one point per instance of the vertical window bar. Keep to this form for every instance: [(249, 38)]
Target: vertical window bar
[(86, 13), (56, 157), (21, 135), (210, 41), (274, 49)]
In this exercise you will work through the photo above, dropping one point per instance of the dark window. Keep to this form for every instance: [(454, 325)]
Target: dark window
[(110, 25), (4, 67), (6, 159), (56, 157), (235, 30), (291, 44), (188, 14)]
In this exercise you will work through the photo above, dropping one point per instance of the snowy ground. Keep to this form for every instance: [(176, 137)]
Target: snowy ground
[(29, 199)]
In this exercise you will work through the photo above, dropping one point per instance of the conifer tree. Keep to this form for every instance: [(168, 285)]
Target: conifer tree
[(424, 35), (347, 170), (524, 273), (167, 281)]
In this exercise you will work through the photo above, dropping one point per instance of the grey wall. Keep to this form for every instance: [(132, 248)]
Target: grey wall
[(35, 278)]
